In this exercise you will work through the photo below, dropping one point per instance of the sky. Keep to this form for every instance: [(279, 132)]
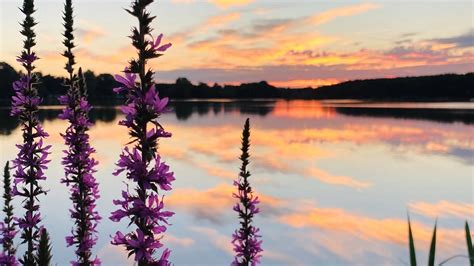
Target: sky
[(288, 43)]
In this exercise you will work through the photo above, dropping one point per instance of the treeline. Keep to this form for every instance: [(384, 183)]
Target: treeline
[(448, 87), (452, 87), (100, 87)]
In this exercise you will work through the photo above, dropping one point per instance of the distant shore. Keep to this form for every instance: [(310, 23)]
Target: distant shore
[(437, 88)]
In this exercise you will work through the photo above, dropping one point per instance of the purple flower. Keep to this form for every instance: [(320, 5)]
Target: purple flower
[(136, 167), (128, 82), (246, 239), (7, 234), (154, 102), (9, 260), (160, 173), (151, 210), (29, 221), (155, 44), (151, 104), (140, 244)]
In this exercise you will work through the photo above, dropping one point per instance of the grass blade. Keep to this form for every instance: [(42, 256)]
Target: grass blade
[(431, 259), (411, 245), (470, 248)]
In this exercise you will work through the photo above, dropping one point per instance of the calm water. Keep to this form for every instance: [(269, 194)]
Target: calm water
[(336, 179)]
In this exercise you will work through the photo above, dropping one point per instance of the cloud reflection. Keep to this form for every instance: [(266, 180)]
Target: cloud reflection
[(214, 204), (443, 208), (392, 230), (332, 185)]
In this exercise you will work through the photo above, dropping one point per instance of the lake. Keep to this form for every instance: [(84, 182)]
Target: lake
[(336, 179)]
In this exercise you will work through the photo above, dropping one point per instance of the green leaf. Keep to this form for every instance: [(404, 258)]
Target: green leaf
[(470, 248), (431, 259), (411, 245)]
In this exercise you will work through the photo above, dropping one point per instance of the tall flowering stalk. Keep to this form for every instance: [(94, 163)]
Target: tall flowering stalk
[(7, 227), (142, 163), (78, 162), (32, 157), (246, 240)]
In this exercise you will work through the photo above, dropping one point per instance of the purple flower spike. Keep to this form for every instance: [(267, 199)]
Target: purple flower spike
[(8, 229), (31, 161), (246, 240), (142, 164), (79, 164)]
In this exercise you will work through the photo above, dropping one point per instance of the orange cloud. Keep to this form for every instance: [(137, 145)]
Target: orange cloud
[(89, 35), (443, 208), (345, 11), (392, 230), (437, 147), (328, 178), (223, 154), (303, 83), (270, 44), (363, 133), (221, 19), (266, 48), (208, 204), (218, 172), (303, 109), (174, 152), (229, 3), (204, 27), (169, 239), (88, 32), (213, 203)]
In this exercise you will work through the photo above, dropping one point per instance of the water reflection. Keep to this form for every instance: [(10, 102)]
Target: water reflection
[(465, 116), (334, 186), (184, 109), (296, 109), (8, 123)]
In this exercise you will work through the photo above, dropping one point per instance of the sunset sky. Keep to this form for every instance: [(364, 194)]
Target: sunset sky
[(288, 43)]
